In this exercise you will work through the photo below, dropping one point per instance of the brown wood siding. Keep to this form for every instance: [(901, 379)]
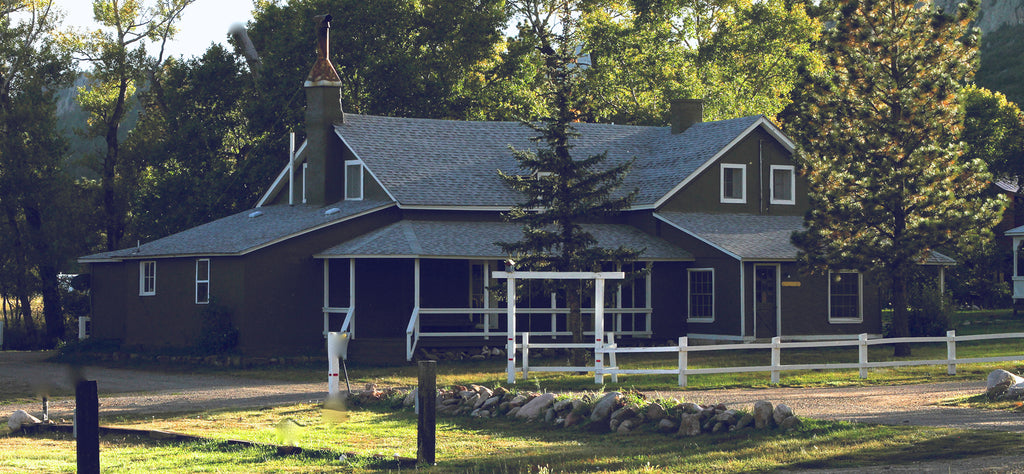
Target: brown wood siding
[(805, 308), (282, 312), (668, 304), (703, 193)]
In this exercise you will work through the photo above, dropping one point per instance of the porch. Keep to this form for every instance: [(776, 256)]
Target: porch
[(433, 278)]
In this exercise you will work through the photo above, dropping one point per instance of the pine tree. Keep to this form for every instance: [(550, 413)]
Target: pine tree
[(880, 144), (562, 192)]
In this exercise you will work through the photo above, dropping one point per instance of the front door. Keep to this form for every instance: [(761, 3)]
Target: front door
[(766, 301)]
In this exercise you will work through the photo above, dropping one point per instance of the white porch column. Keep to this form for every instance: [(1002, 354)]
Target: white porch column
[(598, 329), (1018, 279), (327, 292), (511, 346), (352, 297), (416, 282)]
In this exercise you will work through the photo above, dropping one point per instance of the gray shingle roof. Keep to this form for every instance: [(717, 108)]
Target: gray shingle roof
[(745, 236), (430, 162), (475, 239), (239, 233)]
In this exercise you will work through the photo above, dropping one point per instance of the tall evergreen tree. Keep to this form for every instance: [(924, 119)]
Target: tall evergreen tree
[(880, 144), (561, 191)]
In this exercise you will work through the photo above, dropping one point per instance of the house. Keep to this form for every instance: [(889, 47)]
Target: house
[(385, 227)]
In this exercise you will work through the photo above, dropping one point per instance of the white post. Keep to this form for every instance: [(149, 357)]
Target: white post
[(83, 329), (683, 360), (862, 355), (648, 277), (598, 329), (352, 296), (487, 300), (511, 346), (416, 282), (613, 360), (333, 366), (951, 352), (327, 291), (776, 358), (554, 317), (526, 355), (291, 168)]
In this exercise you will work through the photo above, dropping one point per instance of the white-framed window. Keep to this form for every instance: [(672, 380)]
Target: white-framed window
[(354, 180), (845, 297), (202, 281), (783, 184), (147, 278), (734, 183), (700, 294)]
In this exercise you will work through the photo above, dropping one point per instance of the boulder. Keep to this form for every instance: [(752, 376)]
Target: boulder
[(410, 398), (729, 417), (1014, 392), (518, 401), (536, 407), (781, 412), (744, 421), (667, 425), (763, 411), (605, 406), (626, 426), (19, 419), (483, 391), (656, 412), (790, 423), (998, 381), (573, 419), (689, 425), (620, 415), (691, 408), (491, 402)]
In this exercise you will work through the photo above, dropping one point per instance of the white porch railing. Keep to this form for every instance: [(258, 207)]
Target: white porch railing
[(775, 346), (414, 332), (348, 325)]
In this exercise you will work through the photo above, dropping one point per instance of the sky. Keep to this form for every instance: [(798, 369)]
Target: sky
[(203, 22)]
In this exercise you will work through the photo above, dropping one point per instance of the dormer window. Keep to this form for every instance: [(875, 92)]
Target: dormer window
[(783, 185), (734, 183), (542, 174), (353, 180)]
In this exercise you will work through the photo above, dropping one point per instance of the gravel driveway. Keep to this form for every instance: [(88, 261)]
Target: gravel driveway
[(125, 391)]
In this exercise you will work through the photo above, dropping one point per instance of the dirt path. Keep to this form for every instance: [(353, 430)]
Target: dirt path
[(143, 393)]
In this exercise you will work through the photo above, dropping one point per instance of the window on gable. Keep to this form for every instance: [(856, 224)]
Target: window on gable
[(734, 178), (203, 281), (783, 184), (147, 278), (354, 180), (845, 296), (701, 294)]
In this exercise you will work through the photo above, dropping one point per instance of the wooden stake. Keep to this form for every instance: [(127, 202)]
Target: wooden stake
[(87, 424), (427, 428)]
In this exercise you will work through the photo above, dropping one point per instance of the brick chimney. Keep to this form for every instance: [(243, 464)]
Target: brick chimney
[(684, 113), (324, 175)]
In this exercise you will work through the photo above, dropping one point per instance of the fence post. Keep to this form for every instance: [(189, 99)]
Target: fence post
[(776, 358), (510, 347), (526, 355), (598, 330), (613, 360), (682, 361), (951, 352), (426, 427), (862, 354)]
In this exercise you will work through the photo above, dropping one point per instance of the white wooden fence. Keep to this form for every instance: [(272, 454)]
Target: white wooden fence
[(683, 349)]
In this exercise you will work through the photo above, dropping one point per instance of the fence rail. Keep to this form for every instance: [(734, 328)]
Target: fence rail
[(610, 350)]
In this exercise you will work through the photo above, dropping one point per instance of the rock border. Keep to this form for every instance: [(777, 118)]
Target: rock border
[(611, 412)]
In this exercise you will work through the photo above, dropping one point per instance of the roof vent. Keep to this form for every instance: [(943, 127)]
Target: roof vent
[(332, 210), (255, 214)]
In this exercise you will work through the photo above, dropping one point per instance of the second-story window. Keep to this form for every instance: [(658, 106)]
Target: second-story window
[(203, 281), (353, 180), (783, 185), (734, 183)]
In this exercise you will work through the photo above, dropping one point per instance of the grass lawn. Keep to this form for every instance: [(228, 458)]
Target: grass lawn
[(492, 445)]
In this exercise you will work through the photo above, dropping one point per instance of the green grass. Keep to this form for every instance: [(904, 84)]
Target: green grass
[(492, 445)]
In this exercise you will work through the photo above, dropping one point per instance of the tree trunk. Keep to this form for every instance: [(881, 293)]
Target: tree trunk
[(900, 317), (577, 357), (21, 277), (53, 313)]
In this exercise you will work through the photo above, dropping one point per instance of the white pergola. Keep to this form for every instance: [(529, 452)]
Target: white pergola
[(599, 277)]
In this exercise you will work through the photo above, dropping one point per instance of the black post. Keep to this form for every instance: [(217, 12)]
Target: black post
[(87, 423), (426, 430)]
